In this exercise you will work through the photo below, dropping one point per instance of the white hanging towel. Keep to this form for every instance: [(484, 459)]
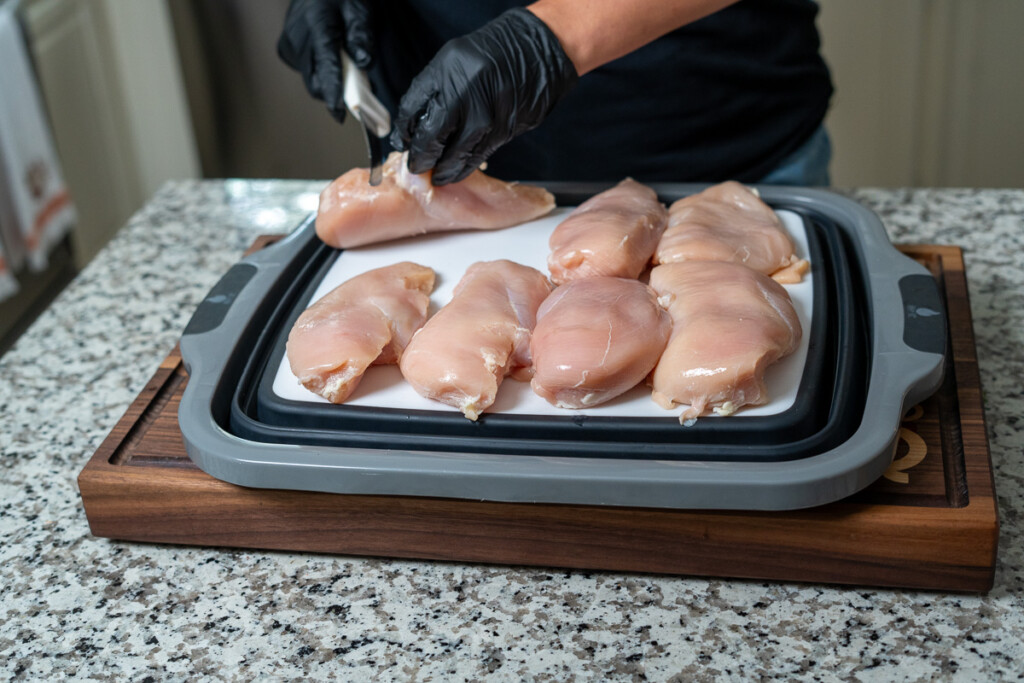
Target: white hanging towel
[(40, 205), (10, 261), (8, 285)]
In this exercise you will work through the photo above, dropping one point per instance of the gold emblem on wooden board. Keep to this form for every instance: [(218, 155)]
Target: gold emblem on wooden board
[(917, 449)]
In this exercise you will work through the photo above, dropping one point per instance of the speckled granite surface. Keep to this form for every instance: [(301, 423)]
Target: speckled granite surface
[(76, 606)]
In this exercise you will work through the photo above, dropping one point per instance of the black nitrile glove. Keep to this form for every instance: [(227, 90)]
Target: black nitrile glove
[(479, 92), (314, 32)]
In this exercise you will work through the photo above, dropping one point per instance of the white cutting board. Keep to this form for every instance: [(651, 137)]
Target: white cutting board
[(451, 253)]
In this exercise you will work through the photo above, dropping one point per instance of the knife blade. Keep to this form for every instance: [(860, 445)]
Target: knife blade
[(375, 148), (368, 110)]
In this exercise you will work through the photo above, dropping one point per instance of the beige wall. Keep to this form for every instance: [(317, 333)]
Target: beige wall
[(251, 113), (928, 92)]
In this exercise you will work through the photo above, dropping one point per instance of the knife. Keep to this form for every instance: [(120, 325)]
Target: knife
[(374, 116)]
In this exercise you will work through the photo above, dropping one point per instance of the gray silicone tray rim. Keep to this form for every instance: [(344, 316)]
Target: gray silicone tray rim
[(901, 375)]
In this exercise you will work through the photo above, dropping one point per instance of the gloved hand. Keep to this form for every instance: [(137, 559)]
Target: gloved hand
[(314, 32), (479, 92)]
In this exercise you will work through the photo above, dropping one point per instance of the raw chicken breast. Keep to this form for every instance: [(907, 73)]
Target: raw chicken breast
[(729, 222), (729, 323), (464, 352), (353, 213), (595, 339), (613, 233), (366, 320)]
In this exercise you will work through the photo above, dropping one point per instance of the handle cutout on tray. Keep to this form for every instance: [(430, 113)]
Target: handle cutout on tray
[(924, 316), (215, 306)]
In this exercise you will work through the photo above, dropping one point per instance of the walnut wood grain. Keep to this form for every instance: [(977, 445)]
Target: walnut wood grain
[(930, 523)]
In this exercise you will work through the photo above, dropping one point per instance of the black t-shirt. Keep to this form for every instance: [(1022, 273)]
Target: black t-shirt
[(726, 97)]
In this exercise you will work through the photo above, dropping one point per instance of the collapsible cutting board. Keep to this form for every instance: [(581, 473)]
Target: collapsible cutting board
[(930, 522), (876, 347)]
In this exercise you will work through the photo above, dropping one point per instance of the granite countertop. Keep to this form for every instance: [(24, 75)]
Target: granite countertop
[(72, 605)]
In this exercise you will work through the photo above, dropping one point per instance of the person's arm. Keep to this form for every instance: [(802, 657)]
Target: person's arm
[(594, 32)]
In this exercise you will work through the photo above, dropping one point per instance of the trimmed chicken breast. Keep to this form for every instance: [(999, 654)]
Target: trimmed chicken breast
[(463, 353), (366, 320), (353, 213), (613, 234), (729, 222), (595, 339), (729, 323)]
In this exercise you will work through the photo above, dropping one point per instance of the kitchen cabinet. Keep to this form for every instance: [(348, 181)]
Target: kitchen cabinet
[(109, 73)]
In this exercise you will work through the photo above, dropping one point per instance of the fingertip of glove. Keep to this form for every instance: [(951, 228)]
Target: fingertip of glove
[(423, 157), (360, 56), (283, 51), (396, 140), (337, 114), (448, 175), (418, 165)]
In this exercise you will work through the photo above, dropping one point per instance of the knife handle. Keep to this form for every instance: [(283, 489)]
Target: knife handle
[(360, 100)]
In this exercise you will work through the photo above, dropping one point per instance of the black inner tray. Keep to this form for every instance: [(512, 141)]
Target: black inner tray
[(826, 411)]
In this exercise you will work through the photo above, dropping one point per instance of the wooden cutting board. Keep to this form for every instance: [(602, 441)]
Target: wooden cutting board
[(930, 522)]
